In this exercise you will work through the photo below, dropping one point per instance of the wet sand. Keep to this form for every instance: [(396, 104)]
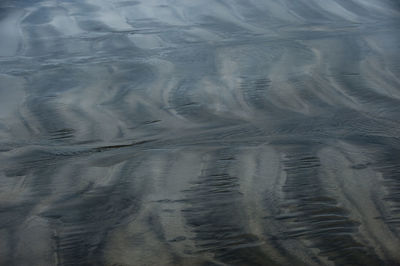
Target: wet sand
[(174, 132)]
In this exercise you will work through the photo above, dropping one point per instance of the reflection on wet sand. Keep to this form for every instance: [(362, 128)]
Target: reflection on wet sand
[(172, 132)]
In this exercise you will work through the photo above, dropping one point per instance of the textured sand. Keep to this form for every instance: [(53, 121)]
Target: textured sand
[(212, 132)]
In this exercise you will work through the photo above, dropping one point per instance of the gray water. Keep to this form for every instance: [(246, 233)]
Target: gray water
[(199, 132)]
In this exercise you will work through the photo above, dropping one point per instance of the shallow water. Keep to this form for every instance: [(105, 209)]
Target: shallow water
[(223, 132)]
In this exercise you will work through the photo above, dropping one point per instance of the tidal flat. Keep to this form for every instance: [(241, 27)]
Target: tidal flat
[(199, 132)]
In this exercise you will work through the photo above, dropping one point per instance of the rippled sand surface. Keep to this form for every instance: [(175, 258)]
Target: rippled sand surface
[(199, 132)]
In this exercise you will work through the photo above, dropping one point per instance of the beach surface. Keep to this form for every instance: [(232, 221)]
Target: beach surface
[(199, 132)]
